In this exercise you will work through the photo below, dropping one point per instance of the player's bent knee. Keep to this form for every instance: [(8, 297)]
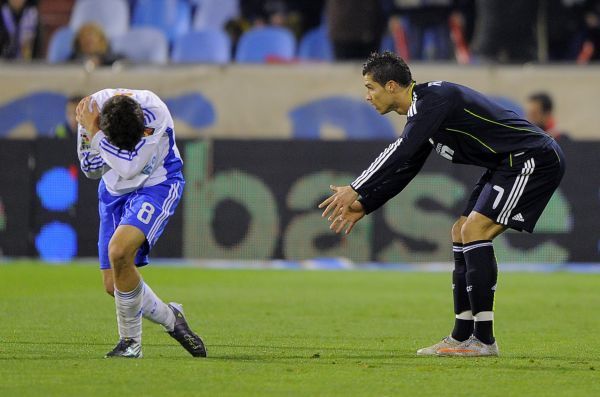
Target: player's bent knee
[(118, 254), (473, 230), (456, 230)]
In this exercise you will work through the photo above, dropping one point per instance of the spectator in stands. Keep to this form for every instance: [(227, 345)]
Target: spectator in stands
[(590, 50), (426, 25), (355, 27), (92, 46), (539, 111), (68, 128), (505, 30), (19, 30)]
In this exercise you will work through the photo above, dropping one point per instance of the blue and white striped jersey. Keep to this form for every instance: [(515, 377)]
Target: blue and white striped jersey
[(155, 158)]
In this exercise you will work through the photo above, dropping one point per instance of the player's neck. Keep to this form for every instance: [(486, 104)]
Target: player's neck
[(404, 99)]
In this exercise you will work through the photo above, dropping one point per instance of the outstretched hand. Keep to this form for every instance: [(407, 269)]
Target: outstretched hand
[(354, 214), (339, 202), (88, 116)]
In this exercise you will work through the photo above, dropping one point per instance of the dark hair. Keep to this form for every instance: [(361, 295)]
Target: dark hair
[(387, 66), (544, 100), (122, 120)]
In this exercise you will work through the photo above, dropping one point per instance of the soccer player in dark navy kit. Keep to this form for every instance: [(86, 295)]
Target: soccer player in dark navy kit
[(524, 167)]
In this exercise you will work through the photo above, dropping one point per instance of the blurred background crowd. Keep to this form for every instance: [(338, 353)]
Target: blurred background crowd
[(102, 32)]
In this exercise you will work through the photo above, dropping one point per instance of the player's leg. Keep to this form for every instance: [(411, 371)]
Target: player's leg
[(477, 233), (463, 321), (128, 290), (108, 281), (153, 308), (149, 210), (482, 271), (463, 316)]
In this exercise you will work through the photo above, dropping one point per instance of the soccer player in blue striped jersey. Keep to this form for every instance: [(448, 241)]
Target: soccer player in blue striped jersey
[(523, 167), (126, 138)]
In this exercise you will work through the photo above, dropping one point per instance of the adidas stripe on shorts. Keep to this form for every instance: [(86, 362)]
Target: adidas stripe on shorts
[(517, 191)]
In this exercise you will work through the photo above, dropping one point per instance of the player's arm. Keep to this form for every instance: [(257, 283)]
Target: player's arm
[(90, 161), (378, 191), (127, 164), (396, 166)]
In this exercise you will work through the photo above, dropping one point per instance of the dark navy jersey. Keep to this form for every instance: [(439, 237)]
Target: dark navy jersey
[(460, 124)]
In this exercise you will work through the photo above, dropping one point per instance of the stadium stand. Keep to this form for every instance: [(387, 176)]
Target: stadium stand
[(315, 46), (111, 15), (265, 44), (214, 14), (60, 47), (173, 17), (206, 46), (142, 45)]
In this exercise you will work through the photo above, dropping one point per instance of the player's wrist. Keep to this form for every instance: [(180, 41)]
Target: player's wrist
[(96, 138)]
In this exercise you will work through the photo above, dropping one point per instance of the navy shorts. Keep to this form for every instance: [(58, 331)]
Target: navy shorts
[(148, 209), (516, 193)]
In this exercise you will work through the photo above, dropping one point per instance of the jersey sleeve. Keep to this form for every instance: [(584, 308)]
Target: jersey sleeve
[(127, 164), (391, 184), (397, 165), (90, 161)]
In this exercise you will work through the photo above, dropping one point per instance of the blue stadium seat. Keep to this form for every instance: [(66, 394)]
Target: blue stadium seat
[(61, 45), (214, 14), (173, 17), (206, 46), (111, 15), (259, 44), (316, 46), (142, 45), (387, 44)]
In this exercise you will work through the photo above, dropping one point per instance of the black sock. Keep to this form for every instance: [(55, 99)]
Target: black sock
[(482, 275), (462, 328), (484, 331)]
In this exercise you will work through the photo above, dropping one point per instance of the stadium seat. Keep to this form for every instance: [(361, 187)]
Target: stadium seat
[(61, 45), (173, 17), (214, 14), (111, 15), (142, 45), (387, 44), (207, 46), (316, 46), (259, 45)]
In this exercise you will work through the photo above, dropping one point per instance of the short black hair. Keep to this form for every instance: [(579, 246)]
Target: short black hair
[(122, 120), (387, 66), (544, 99)]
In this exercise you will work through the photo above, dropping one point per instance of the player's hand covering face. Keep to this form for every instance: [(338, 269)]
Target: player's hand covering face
[(88, 114), (338, 206)]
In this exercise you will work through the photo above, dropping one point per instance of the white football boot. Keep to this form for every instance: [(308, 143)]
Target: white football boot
[(472, 347), (447, 342)]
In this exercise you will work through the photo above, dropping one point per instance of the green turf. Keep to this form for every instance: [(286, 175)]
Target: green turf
[(295, 333)]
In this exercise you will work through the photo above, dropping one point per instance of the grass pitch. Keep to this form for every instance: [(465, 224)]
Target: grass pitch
[(295, 333)]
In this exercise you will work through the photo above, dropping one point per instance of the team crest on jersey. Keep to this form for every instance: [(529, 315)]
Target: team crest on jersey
[(150, 166)]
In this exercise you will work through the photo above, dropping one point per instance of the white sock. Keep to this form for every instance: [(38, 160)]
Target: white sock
[(484, 316), (129, 312), (155, 310), (466, 315)]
